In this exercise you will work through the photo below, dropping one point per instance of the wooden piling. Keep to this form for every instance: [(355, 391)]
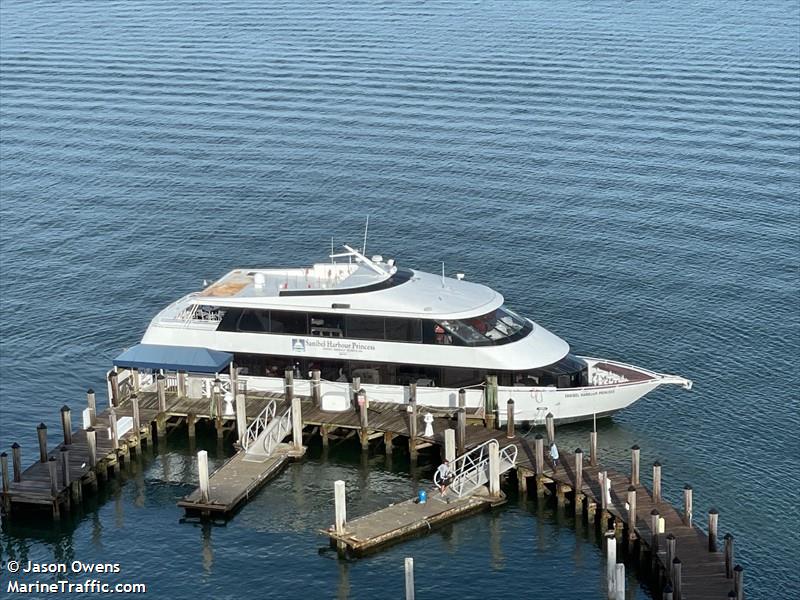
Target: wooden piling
[(728, 556), (52, 467), (409, 578), (297, 424), (578, 480), (316, 388), (676, 578), (593, 448), (687, 505), (551, 428), (450, 444), (654, 517), (461, 431), (631, 513), (388, 436), (65, 474), (656, 482), (241, 417), (539, 464), (112, 423), (161, 392), (91, 444), (137, 422), (180, 384), (91, 403), (462, 398), (619, 582), (41, 433), (202, 472), (671, 553), (667, 593), (601, 476), (363, 416), (635, 464), (494, 468), (66, 424), (216, 396), (16, 459), (713, 521), (113, 396), (191, 425), (6, 482), (738, 582), (510, 432), (288, 384), (412, 419), (340, 506), (611, 560)]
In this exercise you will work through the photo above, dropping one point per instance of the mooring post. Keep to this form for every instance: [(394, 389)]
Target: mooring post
[(551, 428), (112, 423), (461, 431), (728, 556), (510, 432), (667, 593), (738, 582), (619, 582), (635, 464), (297, 424), (91, 444), (611, 561), (462, 398), (656, 482), (671, 550), (601, 477), (16, 459), (4, 466), (288, 384), (113, 381), (51, 468), (191, 425), (241, 418), (91, 402), (494, 468), (64, 452), (539, 464), (180, 384), (654, 516), (66, 425), (316, 388), (713, 521), (137, 422), (41, 433), (202, 473), (340, 506), (676, 578), (363, 415), (593, 448), (161, 390), (578, 481), (412, 419), (450, 444), (631, 514), (409, 568), (218, 410), (687, 505)]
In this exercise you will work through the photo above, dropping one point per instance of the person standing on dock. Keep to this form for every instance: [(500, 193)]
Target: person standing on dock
[(554, 455), (443, 476)]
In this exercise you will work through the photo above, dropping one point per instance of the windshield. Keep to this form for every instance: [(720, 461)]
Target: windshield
[(490, 328)]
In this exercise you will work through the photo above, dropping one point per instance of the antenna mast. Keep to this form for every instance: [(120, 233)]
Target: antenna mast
[(366, 229), (443, 274)]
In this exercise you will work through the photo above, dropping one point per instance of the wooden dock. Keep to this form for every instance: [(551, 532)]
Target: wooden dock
[(681, 559)]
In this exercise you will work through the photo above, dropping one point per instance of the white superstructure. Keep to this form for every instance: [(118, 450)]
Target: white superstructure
[(390, 326)]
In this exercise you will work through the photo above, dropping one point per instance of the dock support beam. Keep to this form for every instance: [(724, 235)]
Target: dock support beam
[(409, 568), (66, 425), (340, 506), (450, 445), (297, 424), (41, 433), (202, 472), (656, 482)]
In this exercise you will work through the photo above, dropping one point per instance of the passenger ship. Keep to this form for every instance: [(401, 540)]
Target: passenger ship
[(391, 326)]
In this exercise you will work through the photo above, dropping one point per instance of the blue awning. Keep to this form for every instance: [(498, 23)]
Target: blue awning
[(174, 358)]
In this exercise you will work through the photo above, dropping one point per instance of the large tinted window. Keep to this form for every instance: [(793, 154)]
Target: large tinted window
[(403, 330), (254, 321), (289, 322), (365, 328)]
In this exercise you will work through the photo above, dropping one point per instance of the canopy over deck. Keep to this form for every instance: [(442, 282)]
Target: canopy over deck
[(174, 358)]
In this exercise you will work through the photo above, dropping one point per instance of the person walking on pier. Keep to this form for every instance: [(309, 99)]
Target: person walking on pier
[(554, 455), (443, 476)]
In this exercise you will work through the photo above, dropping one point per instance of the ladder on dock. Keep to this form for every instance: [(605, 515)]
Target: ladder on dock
[(471, 470)]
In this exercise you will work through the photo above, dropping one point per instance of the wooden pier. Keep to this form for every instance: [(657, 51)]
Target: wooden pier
[(682, 562)]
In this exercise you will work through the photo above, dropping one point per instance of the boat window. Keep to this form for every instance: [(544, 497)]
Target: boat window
[(289, 322), (254, 321), (365, 328), (497, 327), (326, 324), (403, 330)]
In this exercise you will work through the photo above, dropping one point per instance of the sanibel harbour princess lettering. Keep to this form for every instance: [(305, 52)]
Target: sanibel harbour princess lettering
[(339, 345)]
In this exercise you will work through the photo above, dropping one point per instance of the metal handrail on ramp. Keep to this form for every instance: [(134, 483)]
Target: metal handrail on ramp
[(470, 471), (258, 425)]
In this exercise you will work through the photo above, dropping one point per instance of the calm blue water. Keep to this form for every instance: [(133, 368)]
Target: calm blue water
[(626, 173)]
